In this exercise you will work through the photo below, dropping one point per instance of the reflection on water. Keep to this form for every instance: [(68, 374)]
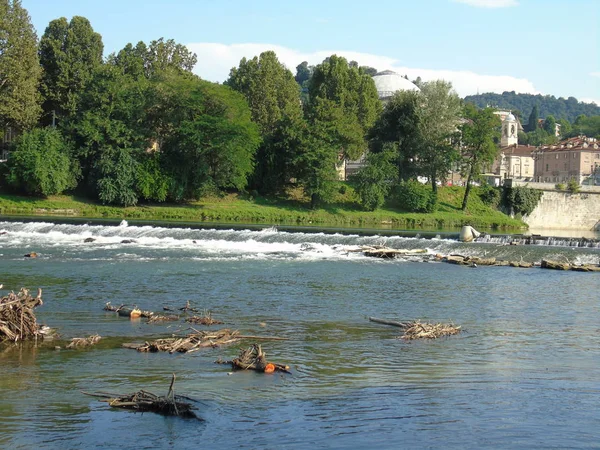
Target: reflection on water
[(522, 374)]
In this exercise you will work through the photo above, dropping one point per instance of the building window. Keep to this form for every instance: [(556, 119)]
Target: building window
[(547, 167)]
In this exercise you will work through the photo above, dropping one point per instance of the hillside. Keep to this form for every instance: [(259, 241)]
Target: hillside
[(560, 108)]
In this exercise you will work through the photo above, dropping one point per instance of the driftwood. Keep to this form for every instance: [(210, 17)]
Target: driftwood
[(143, 401), (17, 319), (84, 342), (155, 318), (253, 358), (418, 330), (188, 344), (206, 319)]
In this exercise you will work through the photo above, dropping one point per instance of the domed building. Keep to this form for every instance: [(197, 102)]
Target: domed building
[(389, 82)]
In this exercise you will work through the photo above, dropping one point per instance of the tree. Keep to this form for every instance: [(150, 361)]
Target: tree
[(375, 180), (41, 163), (532, 123), (397, 126), (303, 73), (371, 71), (274, 100), (208, 137), (354, 93), (438, 120), (19, 68), (70, 52), (550, 125), (150, 60), (478, 146)]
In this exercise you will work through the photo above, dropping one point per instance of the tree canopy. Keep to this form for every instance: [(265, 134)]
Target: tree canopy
[(19, 68)]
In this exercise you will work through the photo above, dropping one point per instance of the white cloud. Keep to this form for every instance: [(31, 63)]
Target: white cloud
[(216, 60), (489, 3), (595, 74)]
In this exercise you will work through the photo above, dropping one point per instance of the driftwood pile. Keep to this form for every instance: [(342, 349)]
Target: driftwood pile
[(190, 343), (417, 330), (84, 342), (253, 358), (206, 319), (143, 401), (156, 318), (17, 319)]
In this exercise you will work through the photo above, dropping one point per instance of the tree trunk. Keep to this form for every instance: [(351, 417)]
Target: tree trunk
[(468, 188)]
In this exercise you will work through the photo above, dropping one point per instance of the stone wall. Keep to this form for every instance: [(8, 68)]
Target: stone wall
[(567, 211)]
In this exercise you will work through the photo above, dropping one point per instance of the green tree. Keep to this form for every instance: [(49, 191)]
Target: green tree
[(353, 92), (208, 137), (150, 60), (532, 123), (274, 100), (398, 126), (41, 163), (376, 179), (115, 178), (478, 146), (70, 52), (438, 120), (550, 125), (303, 73), (19, 68)]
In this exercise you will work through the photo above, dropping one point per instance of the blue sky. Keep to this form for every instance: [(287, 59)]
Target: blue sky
[(538, 46)]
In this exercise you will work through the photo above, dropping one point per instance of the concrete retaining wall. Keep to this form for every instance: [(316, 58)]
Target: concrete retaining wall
[(563, 210)]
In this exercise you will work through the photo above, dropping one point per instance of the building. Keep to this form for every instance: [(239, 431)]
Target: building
[(514, 161), (389, 82), (575, 158)]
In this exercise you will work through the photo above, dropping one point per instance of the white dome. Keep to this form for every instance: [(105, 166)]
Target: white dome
[(388, 82), (510, 118)]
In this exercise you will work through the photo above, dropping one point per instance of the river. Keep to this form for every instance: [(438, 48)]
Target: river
[(524, 373)]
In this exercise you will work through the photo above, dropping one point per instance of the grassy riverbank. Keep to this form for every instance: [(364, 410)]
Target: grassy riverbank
[(244, 209)]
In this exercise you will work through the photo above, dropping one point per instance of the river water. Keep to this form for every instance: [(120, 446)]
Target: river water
[(524, 373)]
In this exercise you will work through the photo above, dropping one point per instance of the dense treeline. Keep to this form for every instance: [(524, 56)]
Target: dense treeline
[(139, 126), (548, 105)]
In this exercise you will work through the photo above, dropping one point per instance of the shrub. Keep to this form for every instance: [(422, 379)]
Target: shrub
[(560, 186), (573, 186), (521, 199), (41, 164), (416, 197), (490, 196)]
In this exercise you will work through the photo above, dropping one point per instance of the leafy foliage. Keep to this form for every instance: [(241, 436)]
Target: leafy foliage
[(520, 199), (19, 68), (416, 197), (375, 180), (560, 108), (573, 186), (478, 146), (116, 177), (40, 164), (490, 195), (70, 52)]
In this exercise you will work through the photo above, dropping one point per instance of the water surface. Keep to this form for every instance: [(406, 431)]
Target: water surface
[(524, 373)]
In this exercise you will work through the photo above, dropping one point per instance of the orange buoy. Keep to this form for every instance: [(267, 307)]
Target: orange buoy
[(270, 368), (135, 313)]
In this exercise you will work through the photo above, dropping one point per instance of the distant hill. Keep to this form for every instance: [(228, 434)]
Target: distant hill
[(560, 108)]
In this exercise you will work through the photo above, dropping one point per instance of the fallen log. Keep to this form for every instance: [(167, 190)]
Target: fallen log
[(388, 322), (187, 344), (143, 401), (418, 330)]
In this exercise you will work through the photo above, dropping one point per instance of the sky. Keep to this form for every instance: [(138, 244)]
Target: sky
[(549, 47)]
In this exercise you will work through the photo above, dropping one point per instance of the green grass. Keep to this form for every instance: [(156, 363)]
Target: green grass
[(294, 209)]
